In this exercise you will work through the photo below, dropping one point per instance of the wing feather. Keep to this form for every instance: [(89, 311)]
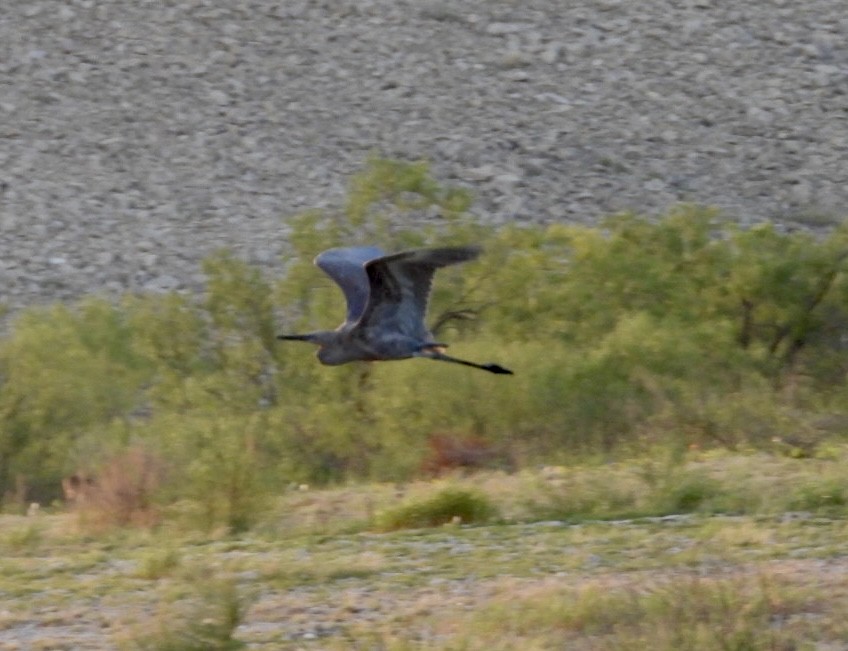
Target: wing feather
[(346, 266), (399, 286)]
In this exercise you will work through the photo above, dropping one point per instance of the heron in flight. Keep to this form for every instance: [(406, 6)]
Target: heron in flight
[(386, 303)]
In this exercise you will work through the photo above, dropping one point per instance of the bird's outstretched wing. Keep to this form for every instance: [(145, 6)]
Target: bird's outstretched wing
[(400, 286), (346, 266)]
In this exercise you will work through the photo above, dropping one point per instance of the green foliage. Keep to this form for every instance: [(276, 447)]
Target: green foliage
[(24, 538), (215, 465), (448, 506), (830, 494), (63, 372), (690, 492), (680, 331), (158, 564)]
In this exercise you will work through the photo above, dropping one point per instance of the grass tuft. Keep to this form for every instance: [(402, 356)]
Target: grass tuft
[(207, 626), (26, 538), (821, 494), (688, 492), (451, 505), (158, 564)]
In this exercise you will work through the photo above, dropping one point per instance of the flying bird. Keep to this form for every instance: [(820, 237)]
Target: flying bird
[(386, 303)]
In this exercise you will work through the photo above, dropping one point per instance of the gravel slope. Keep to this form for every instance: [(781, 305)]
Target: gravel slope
[(136, 136)]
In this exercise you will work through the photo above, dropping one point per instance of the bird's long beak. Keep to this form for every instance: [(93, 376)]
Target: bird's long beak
[(320, 338), (296, 337)]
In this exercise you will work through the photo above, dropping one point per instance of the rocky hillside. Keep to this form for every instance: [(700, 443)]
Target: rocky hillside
[(136, 136)]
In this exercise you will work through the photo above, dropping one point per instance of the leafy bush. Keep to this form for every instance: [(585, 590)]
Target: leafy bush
[(448, 506), (689, 492), (830, 494), (63, 372), (678, 331)]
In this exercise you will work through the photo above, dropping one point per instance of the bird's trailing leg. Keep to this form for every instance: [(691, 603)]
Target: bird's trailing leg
[(432, 353)]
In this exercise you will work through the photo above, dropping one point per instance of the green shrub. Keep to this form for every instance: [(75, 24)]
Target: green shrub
[(688, 492), (639, 334), (63, 373), (24, 538), (448, 506), (825, 494), (158, 564), (216, 468)]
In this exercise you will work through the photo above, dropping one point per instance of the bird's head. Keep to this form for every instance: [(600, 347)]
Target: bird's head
[(330, 350)]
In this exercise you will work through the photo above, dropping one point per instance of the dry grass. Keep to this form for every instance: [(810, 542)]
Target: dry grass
[(120, 492), (314, 575), (752, 483), (776, 606)]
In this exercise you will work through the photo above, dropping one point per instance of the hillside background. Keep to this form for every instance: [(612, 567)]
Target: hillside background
[(138, 137)]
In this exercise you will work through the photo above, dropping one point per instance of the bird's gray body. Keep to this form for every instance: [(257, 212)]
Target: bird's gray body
[(386, 304)]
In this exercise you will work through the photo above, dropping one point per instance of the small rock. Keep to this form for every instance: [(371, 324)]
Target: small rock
[(516, 75), (502, 29), (162, 283), (507, 179), (149, 260), (219, 97), (802, 192), (482, 173), (551, 53), (757, 114), (515, 59)]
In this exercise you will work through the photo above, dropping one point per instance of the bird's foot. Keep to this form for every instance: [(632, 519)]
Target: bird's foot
[(496, 368), (435, 347)]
